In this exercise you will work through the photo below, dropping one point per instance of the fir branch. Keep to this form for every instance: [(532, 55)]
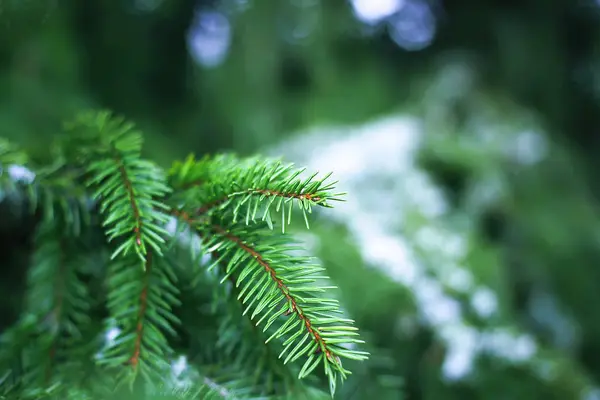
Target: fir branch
[(15, 347), (240, 346), (269, 276), (126, 185), (287, 279), (57, 297), (128, 188), (238, 354), (190, 173), (250, 187), (52, 189), (134, 360), (10, 154), (231, 383), (13, 173), (266, 368), (141, 302), (84, 375), (59, 196)]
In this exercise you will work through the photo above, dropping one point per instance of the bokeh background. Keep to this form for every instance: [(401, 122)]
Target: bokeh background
[(465, 133)]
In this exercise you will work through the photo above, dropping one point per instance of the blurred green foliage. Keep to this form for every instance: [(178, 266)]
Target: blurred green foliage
[(493, 70)]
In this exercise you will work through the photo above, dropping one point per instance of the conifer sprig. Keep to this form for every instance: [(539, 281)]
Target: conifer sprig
[(11, 157), (142, 304), (58, 298), (266, 371), (53, 190), (126, 185), (251, 188), (244, 365), (278, 287)]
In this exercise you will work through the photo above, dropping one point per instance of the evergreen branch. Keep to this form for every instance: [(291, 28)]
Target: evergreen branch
[(100, 169), (10, 154), (239, 351), (239, 344), (12, 168), (57, 194), (52, 190), (81, 368), (269, 276), (141, 302), (8, 392), (250, 187), (231, 383), (15, 346), (190, 173), (265, 370), (57, 297), (264, 366), (228, 380), (126, 185), (139, 330), (201, 386), (216, 389), (285, 282)]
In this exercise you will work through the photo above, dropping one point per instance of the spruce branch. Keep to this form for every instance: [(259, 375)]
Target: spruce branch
[(10, 154), (276, 286), (141, 302), (15, 348), (205, 390), (238, 349), (127, 186), (53, 190), (252, 187), (57, 298), (269, 374), (10, 158), (13, 173), (258, 360)]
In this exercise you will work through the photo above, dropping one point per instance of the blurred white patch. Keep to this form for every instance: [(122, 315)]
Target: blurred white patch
[(508, 345), (20, 174), (528, 148), (413, 27), (209, 38), (437, 308), (457, 278), (461, 353), (425, 195), (378, 249), (179, 365), (435, 239), (373, 11), (111, 336), (591, 394), (484, 302), (458, 363)]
